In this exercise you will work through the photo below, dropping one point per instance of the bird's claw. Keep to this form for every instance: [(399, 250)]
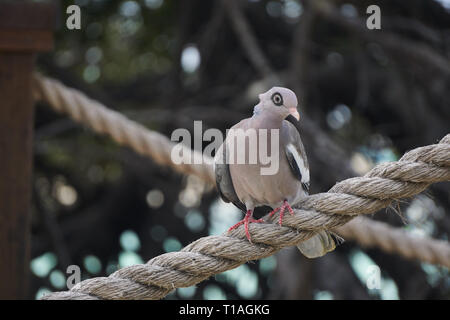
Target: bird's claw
[(246, 221), (273, 212), (282, 209)]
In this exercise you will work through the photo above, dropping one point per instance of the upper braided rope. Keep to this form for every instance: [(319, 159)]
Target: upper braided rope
[(208, 256), (124, 131), (394, 240)]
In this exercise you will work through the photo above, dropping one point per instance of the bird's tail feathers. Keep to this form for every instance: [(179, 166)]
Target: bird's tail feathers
[(320, 244)]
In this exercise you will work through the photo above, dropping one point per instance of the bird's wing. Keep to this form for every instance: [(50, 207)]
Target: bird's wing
[(295, 152), (324, 241), (223, 178)]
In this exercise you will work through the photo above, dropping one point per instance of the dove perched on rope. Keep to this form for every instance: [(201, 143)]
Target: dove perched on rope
[(244, 184)]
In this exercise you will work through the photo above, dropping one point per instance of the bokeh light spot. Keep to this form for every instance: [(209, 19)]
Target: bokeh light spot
[(190, 59), (213, 292), (158, 233), (186, 293), (153, 4), (91, 73), (155, 198), (267, 265), (92, 264), (42, 265), (171, 244), (194, 221), (42, 291), (129, 241), (58, 279), (129, 258), (323, 295), (129, 8)]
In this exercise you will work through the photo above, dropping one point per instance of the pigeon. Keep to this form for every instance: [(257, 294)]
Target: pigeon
[(244, 185)]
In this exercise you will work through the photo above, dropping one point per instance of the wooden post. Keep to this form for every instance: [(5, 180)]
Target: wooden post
[(25, 28)]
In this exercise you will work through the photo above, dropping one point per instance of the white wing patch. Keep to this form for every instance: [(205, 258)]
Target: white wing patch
[(300, 163)]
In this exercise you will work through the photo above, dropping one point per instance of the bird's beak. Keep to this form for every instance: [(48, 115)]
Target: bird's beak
[(294, 113)]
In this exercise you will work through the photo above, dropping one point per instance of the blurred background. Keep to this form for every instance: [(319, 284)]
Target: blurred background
[(366, 96)]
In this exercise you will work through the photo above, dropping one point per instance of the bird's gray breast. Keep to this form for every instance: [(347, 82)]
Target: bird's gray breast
[(254, 188)]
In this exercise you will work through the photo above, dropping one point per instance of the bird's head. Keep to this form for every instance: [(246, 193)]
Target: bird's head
[(279, 100)]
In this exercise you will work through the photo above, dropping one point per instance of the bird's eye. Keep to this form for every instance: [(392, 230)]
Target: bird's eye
[(277, 99)]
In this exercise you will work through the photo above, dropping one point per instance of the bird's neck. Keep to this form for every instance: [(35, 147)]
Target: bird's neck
[(267, 120)]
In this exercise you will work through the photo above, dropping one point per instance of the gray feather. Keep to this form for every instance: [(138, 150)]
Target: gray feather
[(223, 178)]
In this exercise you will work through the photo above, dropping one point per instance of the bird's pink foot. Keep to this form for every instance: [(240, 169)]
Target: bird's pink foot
[(282, 209), (273, 212), (246, 221)]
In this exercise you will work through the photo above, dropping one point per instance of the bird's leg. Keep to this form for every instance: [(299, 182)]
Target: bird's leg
[(274, 211), (247, 219), (283, 208)]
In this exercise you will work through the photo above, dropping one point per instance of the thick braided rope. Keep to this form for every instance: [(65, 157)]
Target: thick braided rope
[(215, 254), (124, 131), (368, 231)]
